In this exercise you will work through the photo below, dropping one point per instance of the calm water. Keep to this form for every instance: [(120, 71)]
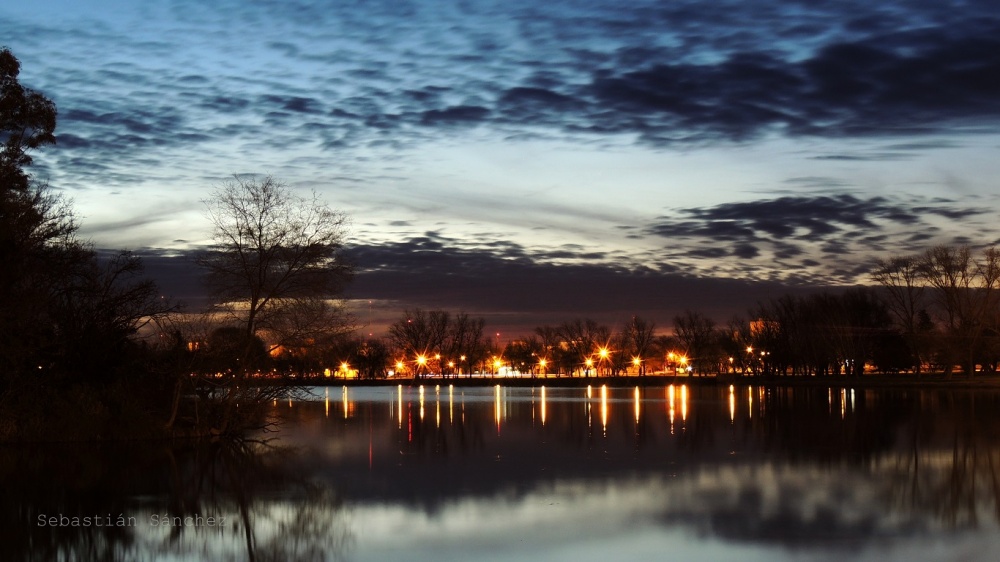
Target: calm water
[(685, 473)]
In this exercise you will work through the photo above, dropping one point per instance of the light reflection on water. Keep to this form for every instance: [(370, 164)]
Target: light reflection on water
[(727, 471), (508, 473)]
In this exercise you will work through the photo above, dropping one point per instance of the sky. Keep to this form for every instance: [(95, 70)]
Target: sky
[(534, 162)]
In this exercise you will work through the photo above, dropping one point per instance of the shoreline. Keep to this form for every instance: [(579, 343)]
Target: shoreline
[(929, 381)]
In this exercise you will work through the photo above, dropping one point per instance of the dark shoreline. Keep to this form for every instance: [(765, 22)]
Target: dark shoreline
[(930, 381)]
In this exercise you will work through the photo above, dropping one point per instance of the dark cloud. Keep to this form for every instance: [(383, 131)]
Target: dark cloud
[(462, 114), (513, 289), (228, 83), (824, 228), (433, 273), (682, 72), (867, 157), (294, 104)]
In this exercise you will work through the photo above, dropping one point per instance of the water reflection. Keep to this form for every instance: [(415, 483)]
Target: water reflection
[(698, 471), (232, 501)]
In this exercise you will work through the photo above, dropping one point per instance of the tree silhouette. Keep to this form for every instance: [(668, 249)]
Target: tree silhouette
[(69, 315), (276, 263)]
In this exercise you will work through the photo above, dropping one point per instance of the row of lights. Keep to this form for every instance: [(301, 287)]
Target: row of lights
[(603, 353)]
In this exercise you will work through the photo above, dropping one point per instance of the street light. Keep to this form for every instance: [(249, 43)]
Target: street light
[(421, 362)]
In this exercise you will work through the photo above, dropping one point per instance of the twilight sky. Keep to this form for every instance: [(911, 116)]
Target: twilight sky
[(535, 162)]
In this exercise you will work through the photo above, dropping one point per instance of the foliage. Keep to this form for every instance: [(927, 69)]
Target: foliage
[(27, 121), (820, 334), (70, 365)]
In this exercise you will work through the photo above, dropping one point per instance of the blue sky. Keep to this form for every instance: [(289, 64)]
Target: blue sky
[(503, 157)]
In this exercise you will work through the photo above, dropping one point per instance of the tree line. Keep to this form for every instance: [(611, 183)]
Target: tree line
[(938, 310)]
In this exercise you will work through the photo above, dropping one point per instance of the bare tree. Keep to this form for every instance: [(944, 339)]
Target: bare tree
[(583, 339), (420, 335), (902, 277), (637, 337), (967, 293), (276, 264), (275, 268), (698, 336), (465, 345)]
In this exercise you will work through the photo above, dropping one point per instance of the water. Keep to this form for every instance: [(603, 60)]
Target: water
[(387, 473)]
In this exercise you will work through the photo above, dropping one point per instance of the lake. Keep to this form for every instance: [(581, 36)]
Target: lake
[(685, 472)]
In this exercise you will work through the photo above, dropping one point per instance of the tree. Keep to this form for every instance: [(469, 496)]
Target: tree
[(419, 335), (583, 339), (465, 345), (966, 291), (436, 340), (27, 121), (276, 264), (68, 316), (902, 277), (698, 336), (275, 268), (637, 336), (524, 354), (34, 224)]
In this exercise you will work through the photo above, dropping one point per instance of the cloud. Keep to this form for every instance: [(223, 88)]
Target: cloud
[(684, 73), (812, 229), (156, 98)]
